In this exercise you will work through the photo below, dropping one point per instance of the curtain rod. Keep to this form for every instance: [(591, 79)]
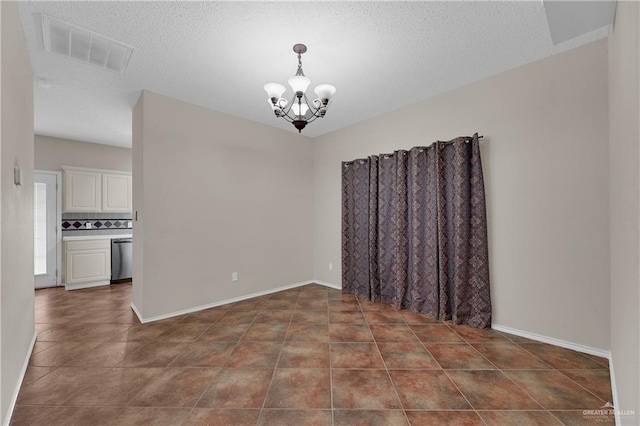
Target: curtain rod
[(346, 163), (463, 137)]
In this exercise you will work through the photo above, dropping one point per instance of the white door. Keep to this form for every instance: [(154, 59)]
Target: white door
[(45, 226)]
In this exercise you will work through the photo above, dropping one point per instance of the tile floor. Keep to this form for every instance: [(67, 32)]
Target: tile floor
[(309, 355)]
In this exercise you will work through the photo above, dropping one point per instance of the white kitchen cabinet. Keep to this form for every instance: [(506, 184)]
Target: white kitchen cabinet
[(87, 263), (95, 190), (116, 193), (82, 191)]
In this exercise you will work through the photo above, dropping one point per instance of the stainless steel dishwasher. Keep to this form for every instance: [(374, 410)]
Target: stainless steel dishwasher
[(121, 259)]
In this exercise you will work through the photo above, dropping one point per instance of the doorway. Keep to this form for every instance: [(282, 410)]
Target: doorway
[(46, 223)]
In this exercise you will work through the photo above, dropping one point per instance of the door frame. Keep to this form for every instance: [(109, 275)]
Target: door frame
[(58, 176)]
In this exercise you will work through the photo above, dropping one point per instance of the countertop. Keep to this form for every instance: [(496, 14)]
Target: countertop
[(96, 237)]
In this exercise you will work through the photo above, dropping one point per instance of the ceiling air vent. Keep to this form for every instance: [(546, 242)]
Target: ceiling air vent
[(83, 45)]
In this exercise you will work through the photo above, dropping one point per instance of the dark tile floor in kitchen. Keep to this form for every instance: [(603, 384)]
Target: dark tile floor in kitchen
[(309, 355)]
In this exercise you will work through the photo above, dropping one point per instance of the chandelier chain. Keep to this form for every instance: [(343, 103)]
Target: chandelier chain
[(300, 72)]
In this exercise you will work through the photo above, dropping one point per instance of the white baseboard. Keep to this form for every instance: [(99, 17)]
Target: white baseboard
[(576, 347), (326, 284), (136, 311), (23, 371), (226, 301), (86, 285), (215, 304), (614, 393), (553, 341)]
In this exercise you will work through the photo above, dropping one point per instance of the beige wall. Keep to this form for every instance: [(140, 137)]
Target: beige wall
[(216, 194), (51, 153), (545, 164), (16, 205), (624, 187)]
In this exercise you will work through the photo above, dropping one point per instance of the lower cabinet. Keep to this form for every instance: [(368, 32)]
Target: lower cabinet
[(87, 263)]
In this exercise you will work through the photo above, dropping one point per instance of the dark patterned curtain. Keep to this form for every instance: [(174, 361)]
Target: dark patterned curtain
[(414, 231)]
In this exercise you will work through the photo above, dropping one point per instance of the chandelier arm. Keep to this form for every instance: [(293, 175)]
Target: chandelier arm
[(310, 105), (287, 118), (313, 118), (316, 113), (287, 107), (286, 111)]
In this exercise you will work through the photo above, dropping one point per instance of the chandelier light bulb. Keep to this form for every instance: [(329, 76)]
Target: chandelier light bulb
[(296, 109)]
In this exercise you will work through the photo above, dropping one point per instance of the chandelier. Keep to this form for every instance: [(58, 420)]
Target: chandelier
[(299, 111)]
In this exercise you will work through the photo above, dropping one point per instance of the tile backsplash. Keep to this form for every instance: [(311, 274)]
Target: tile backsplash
[(74, 224)]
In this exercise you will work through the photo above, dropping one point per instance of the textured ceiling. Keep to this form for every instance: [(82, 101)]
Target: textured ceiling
[(379, 55)]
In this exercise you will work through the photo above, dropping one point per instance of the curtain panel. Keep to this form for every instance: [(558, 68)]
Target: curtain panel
[(414, 231)]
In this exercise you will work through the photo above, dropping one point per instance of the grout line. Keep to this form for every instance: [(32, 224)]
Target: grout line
[(558, 419), (560, 370), (502, 372), (275, 367), (333, 414), (463, 395), (445, 371), (225, 361), (574, 381), (395, 391)]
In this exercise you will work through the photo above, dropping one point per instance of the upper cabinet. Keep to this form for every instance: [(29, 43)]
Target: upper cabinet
[(82, 191), (116, 193), (95, 190)]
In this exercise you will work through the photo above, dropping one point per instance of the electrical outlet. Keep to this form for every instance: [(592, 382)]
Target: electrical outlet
[(330, 266), (234, 276), (87, 225)]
